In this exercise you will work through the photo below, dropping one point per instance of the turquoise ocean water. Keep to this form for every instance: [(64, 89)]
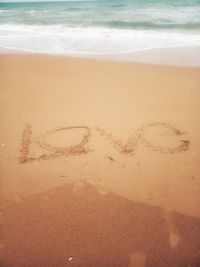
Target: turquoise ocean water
[(107, 26)]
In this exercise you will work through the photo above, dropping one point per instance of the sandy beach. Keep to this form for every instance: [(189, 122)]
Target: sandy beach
[(99, 163)]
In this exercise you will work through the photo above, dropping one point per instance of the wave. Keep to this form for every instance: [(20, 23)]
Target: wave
[(120, 14), (110, 24), (116, 5), (148, 25), (4, 11), (59, 39)]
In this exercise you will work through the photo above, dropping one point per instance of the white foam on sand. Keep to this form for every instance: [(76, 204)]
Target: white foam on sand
[(173, 48), (187, 56)]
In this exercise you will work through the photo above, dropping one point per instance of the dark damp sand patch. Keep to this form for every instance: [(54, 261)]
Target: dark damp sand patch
[(97, 230)]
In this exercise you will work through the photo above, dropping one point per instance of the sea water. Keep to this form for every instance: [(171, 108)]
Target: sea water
[(100, 27)]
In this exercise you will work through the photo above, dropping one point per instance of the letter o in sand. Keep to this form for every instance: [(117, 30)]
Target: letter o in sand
[(70, 150)]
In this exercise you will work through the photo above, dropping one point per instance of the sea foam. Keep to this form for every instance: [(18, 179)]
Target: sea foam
[(59, 39), (99, 28)]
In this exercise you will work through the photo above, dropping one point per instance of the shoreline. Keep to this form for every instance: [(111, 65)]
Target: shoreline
[(184, 56)]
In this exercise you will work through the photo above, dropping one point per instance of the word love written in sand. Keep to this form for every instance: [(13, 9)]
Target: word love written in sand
[(147, 135)]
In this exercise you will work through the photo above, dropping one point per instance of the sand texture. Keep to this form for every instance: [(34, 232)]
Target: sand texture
[(99, 163)]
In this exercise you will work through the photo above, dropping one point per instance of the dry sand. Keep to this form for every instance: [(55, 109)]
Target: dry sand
[(99, 163)]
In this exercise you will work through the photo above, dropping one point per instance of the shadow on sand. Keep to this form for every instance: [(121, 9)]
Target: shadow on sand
[(79, 226)]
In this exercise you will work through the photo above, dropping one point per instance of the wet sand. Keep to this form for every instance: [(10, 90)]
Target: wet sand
[(99, 163)]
